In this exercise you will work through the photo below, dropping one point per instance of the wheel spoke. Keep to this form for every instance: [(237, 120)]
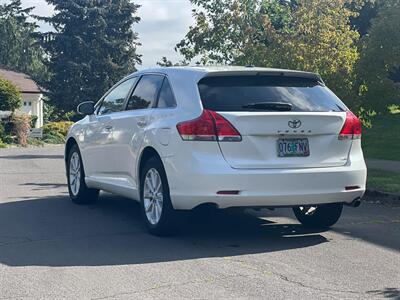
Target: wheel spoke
[(153, 180), (159, 205), (308, 210), (148, 185), (147, 206), (75, 164), (158, 187), (156, 212), (153, 213)]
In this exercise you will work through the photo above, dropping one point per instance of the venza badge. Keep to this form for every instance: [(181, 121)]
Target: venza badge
[(294, 124)]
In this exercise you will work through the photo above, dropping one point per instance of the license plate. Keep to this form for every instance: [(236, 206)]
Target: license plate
[(293, 148)]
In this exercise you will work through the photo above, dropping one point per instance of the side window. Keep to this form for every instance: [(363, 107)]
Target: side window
[(146, 92), (114, 101), (166, 98)]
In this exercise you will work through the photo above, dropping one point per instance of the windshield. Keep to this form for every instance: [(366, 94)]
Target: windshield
[(253, 93)]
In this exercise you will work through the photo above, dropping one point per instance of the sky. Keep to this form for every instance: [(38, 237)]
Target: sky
[(164, 23)]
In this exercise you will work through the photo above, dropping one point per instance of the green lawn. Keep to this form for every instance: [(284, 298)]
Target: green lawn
[(384, 181), (382, 141)]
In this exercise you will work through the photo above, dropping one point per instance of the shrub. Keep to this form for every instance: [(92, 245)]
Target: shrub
[(33, 121), (57, 127), (8, 127), (9, 139), (35, 142), (22, 124), (54, 138), (2, 145), (56, 132), (10, 97), (2, 131)]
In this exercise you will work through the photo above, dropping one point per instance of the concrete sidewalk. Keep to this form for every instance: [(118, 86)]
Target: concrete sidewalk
[(385, 165)]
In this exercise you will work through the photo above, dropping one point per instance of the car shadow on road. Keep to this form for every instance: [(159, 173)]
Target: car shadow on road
[(35, 186), (389, 293), (54, 232), (32, 156)]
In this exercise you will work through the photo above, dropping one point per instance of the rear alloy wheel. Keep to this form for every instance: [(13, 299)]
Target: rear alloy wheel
[(319, 216), (157, 209), (78, 191)]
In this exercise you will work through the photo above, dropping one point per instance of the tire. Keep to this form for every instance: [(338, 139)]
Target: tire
[(158, 214), (320, 216), (80, 193)]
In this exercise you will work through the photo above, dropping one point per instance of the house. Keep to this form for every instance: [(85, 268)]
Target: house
[(32, 95)]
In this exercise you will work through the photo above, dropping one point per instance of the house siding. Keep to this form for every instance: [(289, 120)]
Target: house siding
[(32, 104)]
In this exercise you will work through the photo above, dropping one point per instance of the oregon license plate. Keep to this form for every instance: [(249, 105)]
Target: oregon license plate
[(293, 148)]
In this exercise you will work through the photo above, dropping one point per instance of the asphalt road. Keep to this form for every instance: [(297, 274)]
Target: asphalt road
[(52, 249)]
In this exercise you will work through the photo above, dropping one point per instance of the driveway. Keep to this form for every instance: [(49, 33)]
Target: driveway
[(50, 248)]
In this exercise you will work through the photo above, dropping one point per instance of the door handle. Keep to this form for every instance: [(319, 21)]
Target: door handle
[(142, 123), (108, 127)]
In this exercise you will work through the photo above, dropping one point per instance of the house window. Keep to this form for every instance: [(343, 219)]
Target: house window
[(25, 104)]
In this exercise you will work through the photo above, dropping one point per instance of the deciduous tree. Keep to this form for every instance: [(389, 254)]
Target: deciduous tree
[(10, 97), (379, 66), (308, 35)]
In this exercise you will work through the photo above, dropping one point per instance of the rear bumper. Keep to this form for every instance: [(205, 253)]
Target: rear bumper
[(264, 188)]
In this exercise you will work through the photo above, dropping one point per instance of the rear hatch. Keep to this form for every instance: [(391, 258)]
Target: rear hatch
[(285, 122)]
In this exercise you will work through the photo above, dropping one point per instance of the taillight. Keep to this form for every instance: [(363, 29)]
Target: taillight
[(210, 126), (352, 128)]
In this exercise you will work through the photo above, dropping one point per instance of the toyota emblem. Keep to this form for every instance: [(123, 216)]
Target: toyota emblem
[(294, 124)]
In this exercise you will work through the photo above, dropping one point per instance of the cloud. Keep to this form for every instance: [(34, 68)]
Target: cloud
[(164, 23)]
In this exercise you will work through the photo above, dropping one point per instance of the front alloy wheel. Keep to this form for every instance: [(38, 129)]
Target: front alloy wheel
[(78, 191), (319, 216), (75, 173)]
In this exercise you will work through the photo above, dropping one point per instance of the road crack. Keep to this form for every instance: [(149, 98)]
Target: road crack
[(292, 281)]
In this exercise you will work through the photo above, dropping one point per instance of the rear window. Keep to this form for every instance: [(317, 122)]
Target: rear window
[(267, 93)]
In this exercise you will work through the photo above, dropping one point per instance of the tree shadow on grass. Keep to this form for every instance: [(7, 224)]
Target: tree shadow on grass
[(54, 232)]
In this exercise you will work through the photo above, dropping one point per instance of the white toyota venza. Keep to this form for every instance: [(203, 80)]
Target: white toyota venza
[(177, 138)]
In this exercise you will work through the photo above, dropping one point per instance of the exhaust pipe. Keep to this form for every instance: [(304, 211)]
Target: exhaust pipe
[(356, 203)]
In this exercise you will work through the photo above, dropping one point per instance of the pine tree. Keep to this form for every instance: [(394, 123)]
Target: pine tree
[(92, 47), (19, 46)]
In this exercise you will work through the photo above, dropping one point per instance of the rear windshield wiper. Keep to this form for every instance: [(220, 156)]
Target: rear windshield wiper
[(275, 106)]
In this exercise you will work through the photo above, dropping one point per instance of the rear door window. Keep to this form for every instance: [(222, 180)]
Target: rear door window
[(146, 92), (267, 93), (166, 98)]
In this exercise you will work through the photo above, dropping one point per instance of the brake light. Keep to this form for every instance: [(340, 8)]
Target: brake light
[(352, 128), (210, 126)]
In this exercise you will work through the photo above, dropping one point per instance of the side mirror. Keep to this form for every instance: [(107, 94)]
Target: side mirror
[(86, 108)]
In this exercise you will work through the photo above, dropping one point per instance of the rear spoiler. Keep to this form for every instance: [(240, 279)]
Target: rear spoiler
[(286, 73)]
